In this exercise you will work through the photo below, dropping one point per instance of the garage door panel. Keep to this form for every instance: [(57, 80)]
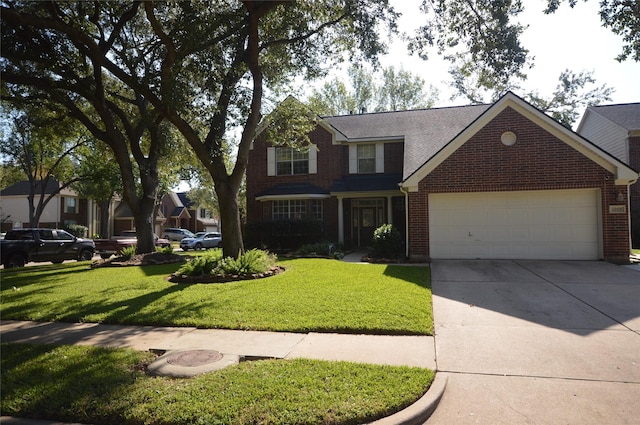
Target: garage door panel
[(559, 224)]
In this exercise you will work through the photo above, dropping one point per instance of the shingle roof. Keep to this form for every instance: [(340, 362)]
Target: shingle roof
[(23, 187), (293, 189), (367, 183), (425, 131), (626, 115), (185, 199)]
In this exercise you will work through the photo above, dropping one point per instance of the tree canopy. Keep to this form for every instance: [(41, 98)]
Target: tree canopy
[(125, 68), (391, 90)]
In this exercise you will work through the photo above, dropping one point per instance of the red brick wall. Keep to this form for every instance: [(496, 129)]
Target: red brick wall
[(332, 163), (537, 161), (634, 162)]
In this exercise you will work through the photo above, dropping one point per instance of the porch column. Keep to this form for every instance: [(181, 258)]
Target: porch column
[(389, 210), (340, 221)]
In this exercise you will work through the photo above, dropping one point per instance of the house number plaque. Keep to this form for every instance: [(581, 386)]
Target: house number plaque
[(617, 209)]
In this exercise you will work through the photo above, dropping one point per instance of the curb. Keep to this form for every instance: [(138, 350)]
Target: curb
[(422, 409)]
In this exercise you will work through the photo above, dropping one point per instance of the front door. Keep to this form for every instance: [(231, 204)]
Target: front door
[(367, 225), (368, 214)]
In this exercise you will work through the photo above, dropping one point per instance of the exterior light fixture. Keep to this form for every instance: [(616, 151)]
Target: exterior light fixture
[(620, 196), (508, 138)]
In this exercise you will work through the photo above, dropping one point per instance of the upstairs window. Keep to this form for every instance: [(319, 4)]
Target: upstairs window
[(366, 159), (291, 162), (286, 161)]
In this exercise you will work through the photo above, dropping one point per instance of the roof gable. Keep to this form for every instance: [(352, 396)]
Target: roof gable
[(624, 174), (625, 115), (424, 131)]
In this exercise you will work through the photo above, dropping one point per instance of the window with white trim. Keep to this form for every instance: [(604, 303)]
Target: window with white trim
[(290, 162), (366, 159), (297, 209)]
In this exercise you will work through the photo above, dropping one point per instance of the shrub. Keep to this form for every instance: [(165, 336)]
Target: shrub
[(387, 242), (201, 265), (77, 230), (165, 249), (324, 249), (251, 262), (128, 252)]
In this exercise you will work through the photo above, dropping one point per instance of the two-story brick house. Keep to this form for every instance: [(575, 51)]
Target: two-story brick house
[(485, 181)]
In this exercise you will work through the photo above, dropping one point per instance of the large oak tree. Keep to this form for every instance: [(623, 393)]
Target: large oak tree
[(124, 69)]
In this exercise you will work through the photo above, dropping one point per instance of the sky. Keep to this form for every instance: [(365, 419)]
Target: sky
[(569, 38)]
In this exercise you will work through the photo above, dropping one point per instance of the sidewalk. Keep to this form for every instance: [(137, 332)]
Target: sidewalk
[(416, 351)]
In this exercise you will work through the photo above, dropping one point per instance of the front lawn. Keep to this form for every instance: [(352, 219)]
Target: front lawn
[(311, 295), (107, 386)]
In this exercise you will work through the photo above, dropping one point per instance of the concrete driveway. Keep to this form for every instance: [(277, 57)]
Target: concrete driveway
[(537, 342)]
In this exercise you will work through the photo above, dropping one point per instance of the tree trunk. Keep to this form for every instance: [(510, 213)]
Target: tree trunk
[(104, 218), (232, 244), (144, 220)]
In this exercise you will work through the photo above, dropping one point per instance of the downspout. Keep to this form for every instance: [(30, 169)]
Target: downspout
[(406, 219)]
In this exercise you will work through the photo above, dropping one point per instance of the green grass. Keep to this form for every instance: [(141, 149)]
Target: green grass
[(105, 386), (311, 295)]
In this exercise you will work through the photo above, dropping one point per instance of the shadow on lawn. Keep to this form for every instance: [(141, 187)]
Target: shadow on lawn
[(419, 275), (86, 380)]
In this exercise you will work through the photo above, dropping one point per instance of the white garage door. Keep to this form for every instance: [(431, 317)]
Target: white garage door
[(554, 224)]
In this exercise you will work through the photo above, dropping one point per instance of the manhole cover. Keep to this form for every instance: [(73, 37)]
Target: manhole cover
[(194, 358)]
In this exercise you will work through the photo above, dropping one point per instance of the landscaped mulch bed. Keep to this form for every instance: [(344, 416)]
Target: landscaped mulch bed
[(176, 278)]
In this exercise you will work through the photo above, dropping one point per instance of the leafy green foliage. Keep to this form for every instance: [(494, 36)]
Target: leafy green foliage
[(394, 90), (571, 97), (320, 248), (165, 249), (102, 385), (201, 265), (476, 36), (128, 252), (251, 262), (213, 263), (78, 230), (387, 242)]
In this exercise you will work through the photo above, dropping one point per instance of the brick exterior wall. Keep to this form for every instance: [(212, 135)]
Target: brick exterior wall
[(332, 164), (634, 162), (537, 161)]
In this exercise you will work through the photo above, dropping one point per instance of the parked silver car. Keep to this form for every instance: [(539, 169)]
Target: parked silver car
[(202, 240), (177, 234)]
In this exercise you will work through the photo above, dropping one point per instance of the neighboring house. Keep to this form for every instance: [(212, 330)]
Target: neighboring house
[(65, 208), (123, 219), (496, 181), (181, 212), (616, 129)]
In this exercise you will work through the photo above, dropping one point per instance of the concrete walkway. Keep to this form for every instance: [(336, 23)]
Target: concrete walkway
[(415, 351)]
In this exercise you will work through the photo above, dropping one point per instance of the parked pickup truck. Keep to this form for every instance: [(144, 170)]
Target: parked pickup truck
[(21, 246), (108, 247)]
